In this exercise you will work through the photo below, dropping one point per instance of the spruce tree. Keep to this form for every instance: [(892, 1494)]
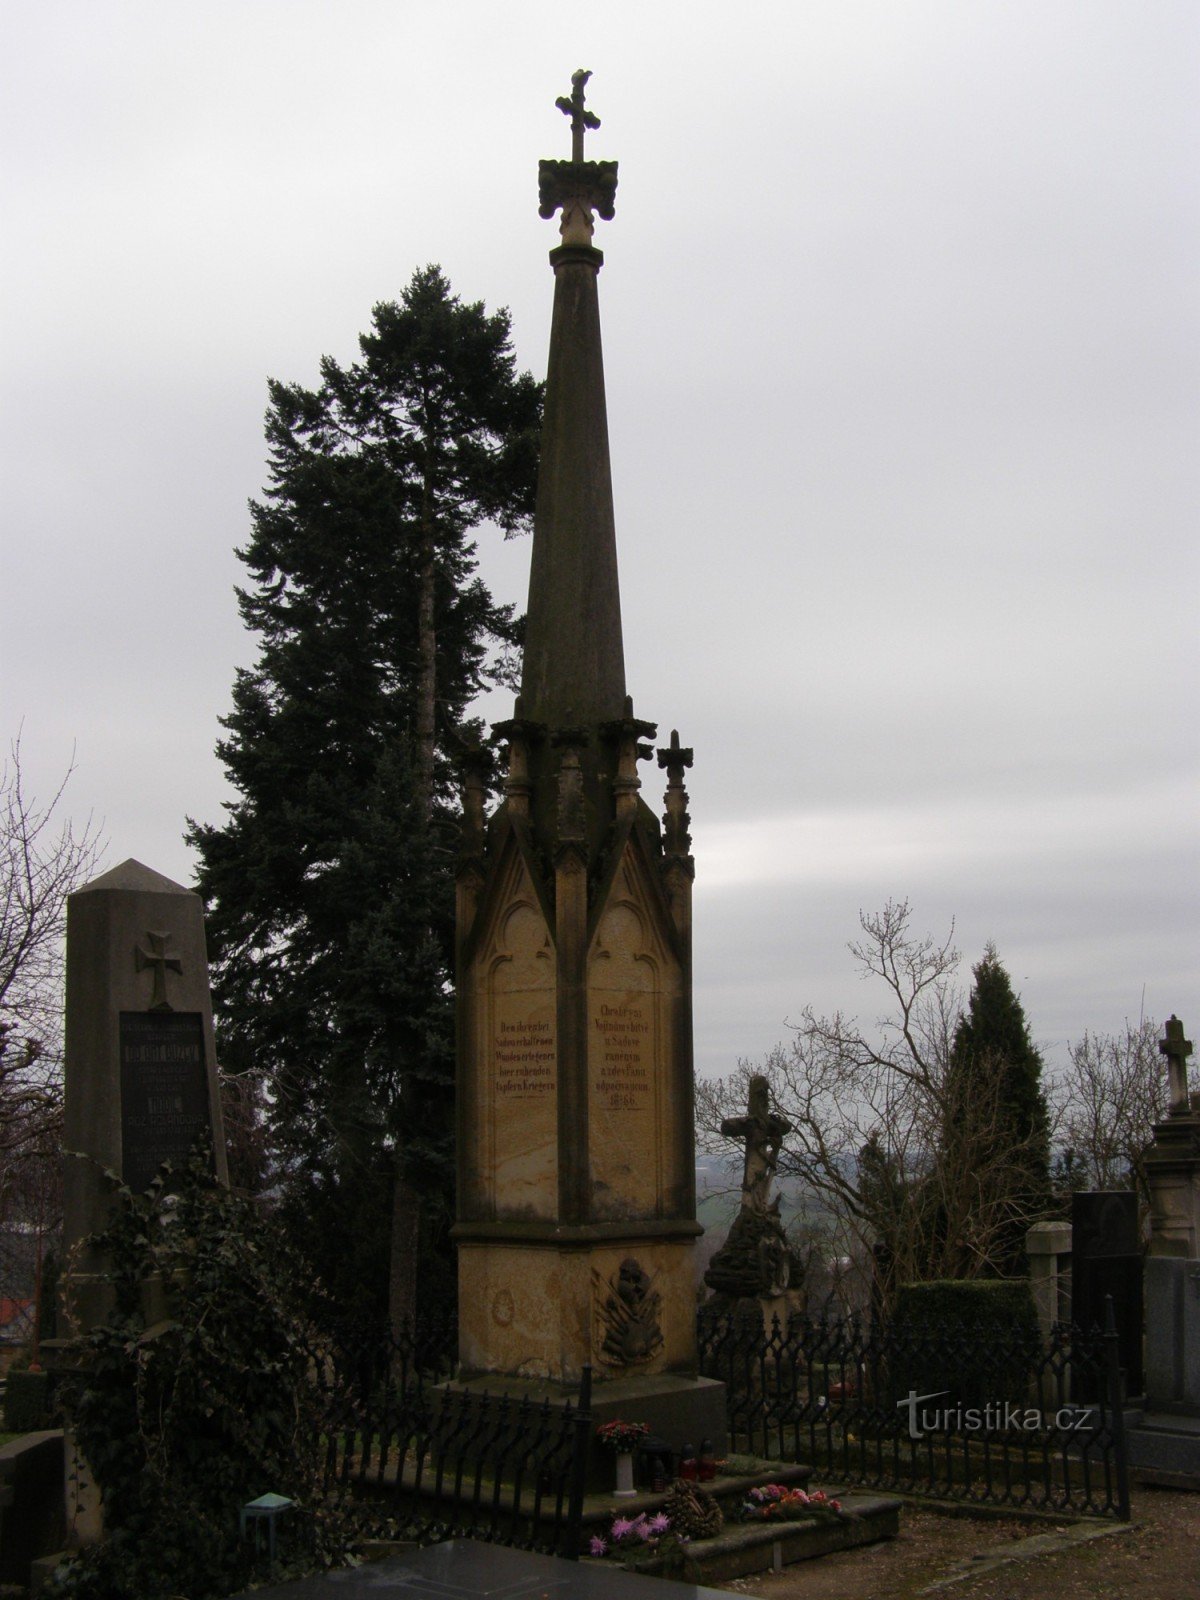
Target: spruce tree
[(330, 886), (993, 1061)]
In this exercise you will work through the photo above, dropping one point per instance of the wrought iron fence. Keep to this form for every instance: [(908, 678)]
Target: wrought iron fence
[(417, 1458), (948, 1412)]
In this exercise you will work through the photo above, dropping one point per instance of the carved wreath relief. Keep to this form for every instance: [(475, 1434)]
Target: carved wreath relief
[(627, 1312)]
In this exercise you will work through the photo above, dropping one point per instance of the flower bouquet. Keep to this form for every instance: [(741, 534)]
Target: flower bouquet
[(629, 1536), (772, 1502), (622, 1437)]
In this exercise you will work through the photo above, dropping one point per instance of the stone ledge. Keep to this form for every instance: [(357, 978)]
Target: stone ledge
[(751, 1547)]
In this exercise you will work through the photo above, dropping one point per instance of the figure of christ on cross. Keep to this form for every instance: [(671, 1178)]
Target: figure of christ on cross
[(573, 107), (1176, 1049), (764, 1132)]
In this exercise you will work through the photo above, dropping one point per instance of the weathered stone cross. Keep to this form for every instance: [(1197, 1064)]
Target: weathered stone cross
[(573, 107), (764, 1131), (1176, 1049), (162, 963)]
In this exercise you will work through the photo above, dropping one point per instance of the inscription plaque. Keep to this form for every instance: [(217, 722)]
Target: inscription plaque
[(164, 1091), (624, 1051)]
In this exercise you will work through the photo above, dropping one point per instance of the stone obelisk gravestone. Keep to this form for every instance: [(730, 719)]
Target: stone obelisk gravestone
[(140, 1083), (576, 1162), (141, 1072)]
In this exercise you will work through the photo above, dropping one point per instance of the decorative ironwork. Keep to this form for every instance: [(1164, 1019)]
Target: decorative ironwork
[(429, 1461), (1006, 1425)]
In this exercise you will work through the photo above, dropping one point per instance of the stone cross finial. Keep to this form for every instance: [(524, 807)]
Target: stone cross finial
[(583, 189), (763, 1130), (572, 106), (157, 958), (1177, 1049)]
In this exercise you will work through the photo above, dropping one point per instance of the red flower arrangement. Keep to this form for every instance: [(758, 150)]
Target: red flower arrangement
[(622, 1436)]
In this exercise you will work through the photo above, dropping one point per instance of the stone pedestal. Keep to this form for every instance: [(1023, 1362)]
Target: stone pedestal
[(1173, 1334), (1048, 1249)]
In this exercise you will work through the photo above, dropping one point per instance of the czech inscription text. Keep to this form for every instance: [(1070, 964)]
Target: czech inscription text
[(524, 1054), (625, 1055), (164, 1091)]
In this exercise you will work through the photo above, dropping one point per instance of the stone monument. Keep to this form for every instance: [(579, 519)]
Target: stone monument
[(576, 1162), (1106, 1261), (141, 1071), (1164, 1440), (755, 1262)]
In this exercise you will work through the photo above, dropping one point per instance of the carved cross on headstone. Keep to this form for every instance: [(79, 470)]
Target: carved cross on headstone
[(572, 106), (157, 958), (1176, 1049), (763, 1131)]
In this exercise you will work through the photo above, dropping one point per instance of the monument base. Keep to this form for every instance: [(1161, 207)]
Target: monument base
[(544, 1301), (1172, 1334), (679, 1409)]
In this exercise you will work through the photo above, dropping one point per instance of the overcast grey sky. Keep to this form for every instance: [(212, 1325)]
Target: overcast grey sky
[(901, 335)]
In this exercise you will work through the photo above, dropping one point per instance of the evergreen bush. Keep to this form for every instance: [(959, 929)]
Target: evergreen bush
[(27, 1402)]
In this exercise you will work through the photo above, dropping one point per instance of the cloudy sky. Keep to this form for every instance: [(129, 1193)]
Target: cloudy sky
[(900, 316)]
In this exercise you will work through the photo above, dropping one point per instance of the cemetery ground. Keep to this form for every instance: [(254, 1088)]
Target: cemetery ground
[(962, 1557)]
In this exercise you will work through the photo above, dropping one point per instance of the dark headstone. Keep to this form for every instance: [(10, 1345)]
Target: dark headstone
[(164, 1091), (1106, 1259)]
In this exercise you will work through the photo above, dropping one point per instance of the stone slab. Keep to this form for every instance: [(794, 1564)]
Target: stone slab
[(749, 1547), (464, 1569), (1172, 1333), (1161, 1442)]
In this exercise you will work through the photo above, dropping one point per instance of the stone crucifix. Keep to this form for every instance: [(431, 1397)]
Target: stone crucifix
[(161, 963), (764, 1132), (581, 119), (1177, 1049)]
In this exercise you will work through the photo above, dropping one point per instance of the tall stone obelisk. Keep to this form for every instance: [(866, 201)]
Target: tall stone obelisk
[(576, 1163)]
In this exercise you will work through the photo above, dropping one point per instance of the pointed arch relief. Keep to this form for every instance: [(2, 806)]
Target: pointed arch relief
[(518, 1035), (632, 984)]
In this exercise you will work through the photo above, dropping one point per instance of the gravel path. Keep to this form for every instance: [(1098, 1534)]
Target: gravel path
[(956, 1558)]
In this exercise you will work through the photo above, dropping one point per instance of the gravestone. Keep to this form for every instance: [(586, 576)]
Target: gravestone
[(1164, 1437), (1106, 1259), (1048, 1251), (756, 1262), (1173, 1264), (141, 1072), (576, 1152), (140, 1085), (464, 1569)]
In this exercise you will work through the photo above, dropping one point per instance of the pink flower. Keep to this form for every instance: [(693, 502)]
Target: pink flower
[(835, 1505), (621, 1527), (598, 1546), (660, 1523)]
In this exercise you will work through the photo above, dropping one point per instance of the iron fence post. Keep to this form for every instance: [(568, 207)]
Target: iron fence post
[(1112, 1368), (579, 1465)]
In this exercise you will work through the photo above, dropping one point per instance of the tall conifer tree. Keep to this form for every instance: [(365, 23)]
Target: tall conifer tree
[(992, 1043), (330, 887)]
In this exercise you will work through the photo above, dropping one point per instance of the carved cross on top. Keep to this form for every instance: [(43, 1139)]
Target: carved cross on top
[(572, 106), (162, 963), (764, 1131), (1176, 1049)]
